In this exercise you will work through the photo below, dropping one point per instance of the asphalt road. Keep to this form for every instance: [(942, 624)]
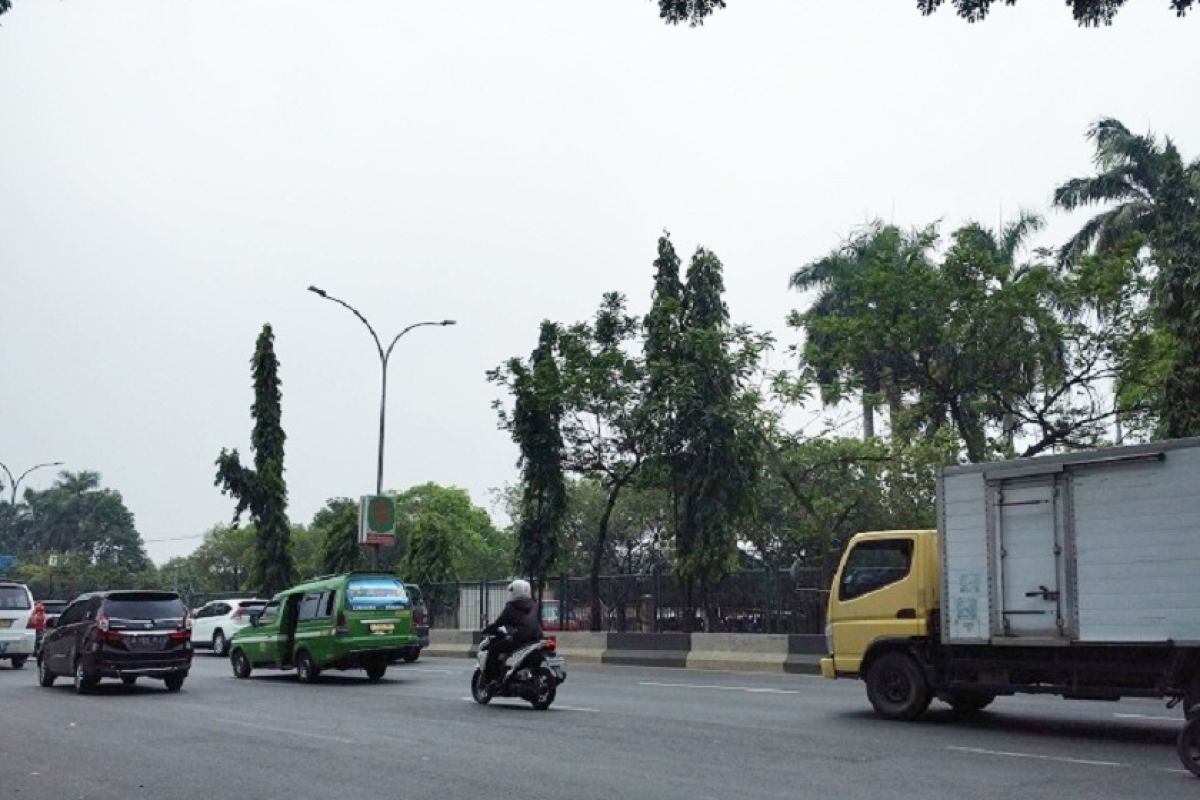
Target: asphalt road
[(615, 733)]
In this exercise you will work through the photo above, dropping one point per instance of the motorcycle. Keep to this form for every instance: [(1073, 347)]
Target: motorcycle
[(532, 673)]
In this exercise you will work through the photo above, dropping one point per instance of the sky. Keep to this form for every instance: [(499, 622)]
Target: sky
[(175, 174)]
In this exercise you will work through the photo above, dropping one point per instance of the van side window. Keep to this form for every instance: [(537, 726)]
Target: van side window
[(310, 606), (874, 565), (328, 604)]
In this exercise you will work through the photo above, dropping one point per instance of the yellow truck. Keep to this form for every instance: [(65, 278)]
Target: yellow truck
[(1074, 575)]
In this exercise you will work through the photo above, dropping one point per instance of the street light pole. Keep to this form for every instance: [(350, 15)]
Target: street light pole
[(15, 482), (384, 358)]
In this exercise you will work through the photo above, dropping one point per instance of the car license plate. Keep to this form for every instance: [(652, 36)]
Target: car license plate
[(148, 642), (381, 628), (6, 623), (554, 661)]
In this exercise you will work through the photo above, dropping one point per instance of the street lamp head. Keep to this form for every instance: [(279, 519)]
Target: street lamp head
[(449, 322), (315, 290)]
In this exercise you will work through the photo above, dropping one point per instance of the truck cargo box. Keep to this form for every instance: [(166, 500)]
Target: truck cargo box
[(1096, 547)]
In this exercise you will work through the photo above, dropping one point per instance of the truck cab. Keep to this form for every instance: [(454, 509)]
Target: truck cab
[(885, 591)]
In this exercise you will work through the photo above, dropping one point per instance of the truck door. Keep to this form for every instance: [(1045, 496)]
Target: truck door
[(1029, 529)]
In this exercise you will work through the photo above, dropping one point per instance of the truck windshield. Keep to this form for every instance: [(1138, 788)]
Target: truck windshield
[(873, 565), (378, 594)]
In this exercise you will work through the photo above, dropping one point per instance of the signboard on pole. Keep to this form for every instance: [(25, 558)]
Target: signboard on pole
[(8, 562), (377, 520)]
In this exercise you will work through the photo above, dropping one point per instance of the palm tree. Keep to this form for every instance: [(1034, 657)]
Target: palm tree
[(1130, 173), (1157, 197)]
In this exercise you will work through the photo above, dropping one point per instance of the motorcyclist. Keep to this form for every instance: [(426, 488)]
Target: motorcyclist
[(520, 618)]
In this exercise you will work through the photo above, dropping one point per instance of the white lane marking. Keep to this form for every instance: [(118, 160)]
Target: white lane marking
[(750, 689), (1148, 716), (559, 706), (1178, 771), (436, 671), (287, 731), (1086, 762)]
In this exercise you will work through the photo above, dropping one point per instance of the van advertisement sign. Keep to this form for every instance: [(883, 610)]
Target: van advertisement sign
[(377, 520)]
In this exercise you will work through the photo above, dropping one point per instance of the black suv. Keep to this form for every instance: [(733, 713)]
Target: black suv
[(119, 634)]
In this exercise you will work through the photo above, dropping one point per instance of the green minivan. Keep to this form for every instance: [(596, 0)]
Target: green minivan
[(357, 620)]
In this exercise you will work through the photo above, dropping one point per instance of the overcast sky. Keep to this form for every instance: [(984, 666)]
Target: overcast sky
[(174, 174)]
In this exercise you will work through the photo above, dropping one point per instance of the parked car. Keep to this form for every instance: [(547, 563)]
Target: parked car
[(43, 612), (119, 634), (420, 621), (367, 613), (552, 617), (215, 623), (18, 636)]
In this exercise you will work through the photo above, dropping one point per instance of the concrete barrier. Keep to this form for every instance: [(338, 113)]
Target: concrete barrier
[(452, 643), (583, 647), (752, 652), (804, 654), (648, 649), (746, 652)]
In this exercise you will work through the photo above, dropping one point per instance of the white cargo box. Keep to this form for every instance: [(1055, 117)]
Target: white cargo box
[(1095, 547)]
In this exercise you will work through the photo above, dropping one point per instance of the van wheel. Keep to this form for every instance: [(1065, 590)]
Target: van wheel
[(174, 682), (220, 644), (410, 656), (896, 687), (376, 670), (306, 670), (241, 664), (45, 676)]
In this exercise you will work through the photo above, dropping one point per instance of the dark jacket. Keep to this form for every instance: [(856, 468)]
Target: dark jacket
[(522, 615)]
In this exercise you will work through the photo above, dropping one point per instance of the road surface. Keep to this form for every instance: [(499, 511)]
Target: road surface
[(616, 733)]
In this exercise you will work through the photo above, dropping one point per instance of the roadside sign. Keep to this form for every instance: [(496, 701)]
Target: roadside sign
[(8, 562), (377, 520)]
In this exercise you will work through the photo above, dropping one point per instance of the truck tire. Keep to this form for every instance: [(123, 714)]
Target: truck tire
[(897, 688)]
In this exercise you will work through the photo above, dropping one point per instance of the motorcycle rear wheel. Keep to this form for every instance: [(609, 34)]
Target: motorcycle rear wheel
[(479, 692), (545, 688)]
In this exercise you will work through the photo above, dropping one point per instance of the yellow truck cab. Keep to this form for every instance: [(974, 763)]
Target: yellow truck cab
[(886, 590)]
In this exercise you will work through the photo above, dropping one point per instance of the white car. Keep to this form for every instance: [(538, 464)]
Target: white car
[(214, 624), (17, 635)]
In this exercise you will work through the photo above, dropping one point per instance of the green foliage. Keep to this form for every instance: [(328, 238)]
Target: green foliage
[(477, 550), (692, 12), (430, 554), (262, 491), (337, 526), (535, 426), (1087, 13), (1155, 199), (73, 537)]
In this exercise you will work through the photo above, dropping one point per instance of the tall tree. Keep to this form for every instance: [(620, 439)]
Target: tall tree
[(337, 525), (429, 557), (534, 425), (1156, 197), (719, 457), (603, 386), (477, 549), (263, 491)]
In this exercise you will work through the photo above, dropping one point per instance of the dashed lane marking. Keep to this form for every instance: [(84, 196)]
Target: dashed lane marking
[(559, 706), (288, 731), (715, 687), (1036, 757)]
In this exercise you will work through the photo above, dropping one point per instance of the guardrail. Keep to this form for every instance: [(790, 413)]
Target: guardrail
[(779, 653)]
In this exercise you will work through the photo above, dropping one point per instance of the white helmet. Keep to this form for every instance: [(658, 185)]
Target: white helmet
[(519, 588)]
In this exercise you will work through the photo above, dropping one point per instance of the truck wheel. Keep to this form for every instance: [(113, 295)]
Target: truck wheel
[(896, 687), (1189, 747), (969, 702)]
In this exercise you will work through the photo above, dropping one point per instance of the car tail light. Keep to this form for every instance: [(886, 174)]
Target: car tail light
[(102, 623), (343, 627), (182, 635)]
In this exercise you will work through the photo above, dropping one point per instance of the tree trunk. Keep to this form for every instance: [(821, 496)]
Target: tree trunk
[(868, 414), (598, 554)]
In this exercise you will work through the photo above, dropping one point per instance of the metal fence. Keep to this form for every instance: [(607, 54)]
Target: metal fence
[(763, 601)]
